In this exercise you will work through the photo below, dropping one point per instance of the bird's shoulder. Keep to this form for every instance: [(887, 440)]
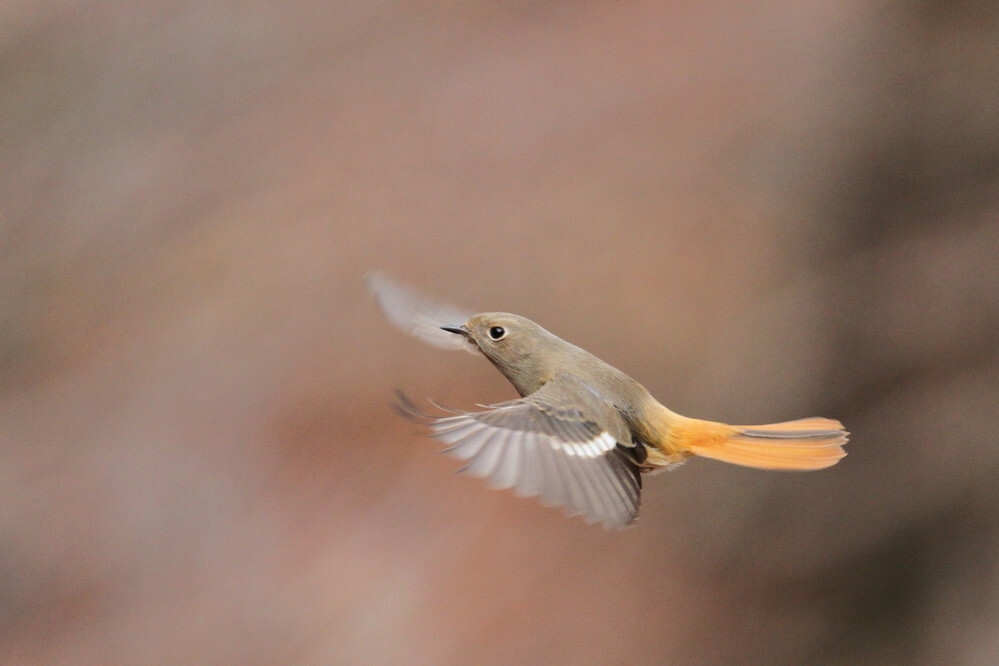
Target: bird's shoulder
[(569, 396)]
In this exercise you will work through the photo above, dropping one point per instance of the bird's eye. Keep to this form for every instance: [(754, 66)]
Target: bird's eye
[(497, 332)]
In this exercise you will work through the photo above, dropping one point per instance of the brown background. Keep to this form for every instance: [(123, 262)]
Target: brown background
[(761, 212)]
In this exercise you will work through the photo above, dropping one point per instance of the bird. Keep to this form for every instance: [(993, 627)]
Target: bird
[(582, 433)]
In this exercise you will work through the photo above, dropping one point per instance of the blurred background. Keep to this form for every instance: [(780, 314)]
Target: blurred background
[(761, 212)]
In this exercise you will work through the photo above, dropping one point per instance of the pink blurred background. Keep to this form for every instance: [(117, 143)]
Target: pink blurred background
[(761, 212)]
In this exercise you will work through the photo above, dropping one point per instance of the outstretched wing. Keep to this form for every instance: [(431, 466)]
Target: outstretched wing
[(560, 443), (419, 315)]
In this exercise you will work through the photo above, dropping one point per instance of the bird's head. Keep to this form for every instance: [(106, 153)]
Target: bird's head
[(524, 352)]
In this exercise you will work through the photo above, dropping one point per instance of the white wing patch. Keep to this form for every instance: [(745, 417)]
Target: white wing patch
[(593, 448)]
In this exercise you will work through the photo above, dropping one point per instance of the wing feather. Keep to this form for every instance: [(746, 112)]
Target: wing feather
[(418, 314), (560, 443), (507, 470)]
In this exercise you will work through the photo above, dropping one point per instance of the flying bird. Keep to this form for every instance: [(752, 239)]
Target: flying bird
[(582, 433)]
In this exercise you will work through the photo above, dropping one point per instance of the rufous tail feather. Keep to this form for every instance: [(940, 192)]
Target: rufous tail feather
[(805, 444)]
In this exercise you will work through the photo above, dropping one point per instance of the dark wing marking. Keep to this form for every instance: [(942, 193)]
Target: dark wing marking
[(559, 443), (419, 315)]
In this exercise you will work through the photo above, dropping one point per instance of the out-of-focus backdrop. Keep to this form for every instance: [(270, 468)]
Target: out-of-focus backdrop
[(761, 211)]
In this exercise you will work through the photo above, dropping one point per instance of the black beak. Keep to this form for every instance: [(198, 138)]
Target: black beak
[(460, 330)]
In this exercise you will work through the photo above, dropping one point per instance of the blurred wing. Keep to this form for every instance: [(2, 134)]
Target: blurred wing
[(419, 315), (557, 443)]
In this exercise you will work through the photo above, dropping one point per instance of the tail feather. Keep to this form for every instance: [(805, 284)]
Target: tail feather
[(805, 444)]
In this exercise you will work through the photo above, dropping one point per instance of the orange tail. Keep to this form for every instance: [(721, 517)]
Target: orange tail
[(806, 444)]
